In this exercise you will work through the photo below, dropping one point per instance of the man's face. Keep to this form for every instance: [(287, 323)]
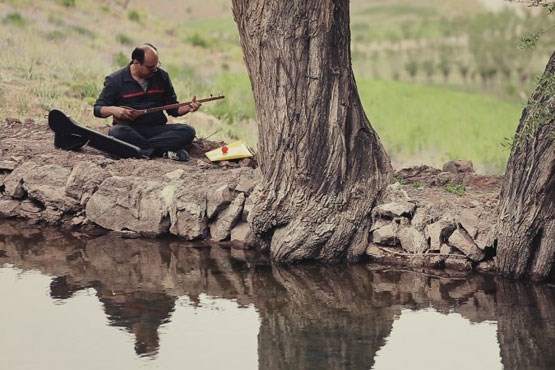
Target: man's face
[(150, 65)]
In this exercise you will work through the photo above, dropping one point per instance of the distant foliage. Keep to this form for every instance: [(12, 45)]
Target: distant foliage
[(124, 39), (56, 35), (67, 3), (87, 90), (120, 59), (470, 52), (134, 16), (197, 40), (82, 31), (14, 19)]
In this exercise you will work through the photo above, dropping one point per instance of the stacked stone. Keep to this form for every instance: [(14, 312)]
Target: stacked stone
[(190, 203)]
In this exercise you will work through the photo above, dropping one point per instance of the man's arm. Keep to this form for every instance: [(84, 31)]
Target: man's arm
[(104, 106)]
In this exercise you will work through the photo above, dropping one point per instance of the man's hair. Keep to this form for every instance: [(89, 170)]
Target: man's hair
[(138, 53)]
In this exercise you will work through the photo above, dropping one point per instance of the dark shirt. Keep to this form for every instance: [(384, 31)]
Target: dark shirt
[(121, 89)]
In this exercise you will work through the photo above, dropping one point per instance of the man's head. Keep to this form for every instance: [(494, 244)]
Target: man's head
[(145, 60)]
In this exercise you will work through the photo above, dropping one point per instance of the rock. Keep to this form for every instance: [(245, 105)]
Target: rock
[(130, 203), (394, 193), (218, 200), (240, 233), (486, 266), (412, 240), (8, 207), (175, 175), (458, 166), (13, 184), (460, 240), (220, 229), (51, 216), (83, 181), (421, 174), (380, 222), (458, 263), (422, 217), (47, 185), (7, 166), (245, 185), (248, 162), (79, 220), (394, 209), (247, 207), (445, 249), (469, 220), (375, 253), (28, 209), (43, 183), (188, 212), (438, 232), (386, 235)]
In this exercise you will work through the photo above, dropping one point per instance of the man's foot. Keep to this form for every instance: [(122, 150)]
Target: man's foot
[(181, 155)]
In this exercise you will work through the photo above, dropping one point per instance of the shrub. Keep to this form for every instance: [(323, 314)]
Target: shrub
[(124, 39), (67, 3), (14, 19), (134, 16), (457, 189), (83, 31), (55, 35), (197, 40), (120, 59)]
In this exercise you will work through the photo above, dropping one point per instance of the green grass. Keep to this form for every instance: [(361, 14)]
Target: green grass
[(457, 189), (433, 125)]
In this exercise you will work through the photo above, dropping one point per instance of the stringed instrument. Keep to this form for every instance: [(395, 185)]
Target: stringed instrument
[(140, 112)]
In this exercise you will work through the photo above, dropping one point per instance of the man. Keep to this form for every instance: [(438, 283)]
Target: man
[(142, 84)]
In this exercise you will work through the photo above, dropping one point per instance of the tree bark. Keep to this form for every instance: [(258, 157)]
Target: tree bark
[(526, 227), (322, 164)]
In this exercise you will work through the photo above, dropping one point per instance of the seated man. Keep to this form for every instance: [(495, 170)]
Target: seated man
[(142, 84)]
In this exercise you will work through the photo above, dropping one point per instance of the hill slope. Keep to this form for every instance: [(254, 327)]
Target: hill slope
[(55, 54)]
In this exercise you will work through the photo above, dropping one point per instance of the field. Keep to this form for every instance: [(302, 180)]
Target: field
[(439, 80)]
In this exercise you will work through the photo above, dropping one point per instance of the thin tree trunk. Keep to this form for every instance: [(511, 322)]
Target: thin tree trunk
[(322, 164), (526, 228)]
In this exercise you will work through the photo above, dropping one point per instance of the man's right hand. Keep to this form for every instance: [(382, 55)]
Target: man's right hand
[(121, 114), (124, 113)]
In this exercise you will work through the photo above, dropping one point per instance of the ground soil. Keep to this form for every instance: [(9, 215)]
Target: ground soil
[(34, 141)]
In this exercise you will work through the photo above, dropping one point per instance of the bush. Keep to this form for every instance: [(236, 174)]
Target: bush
[(85, 90), (124, 39), (55, 35), (120, 59), (197, 40), (67, 3), (457, 189), (134, 16), (14, 19)]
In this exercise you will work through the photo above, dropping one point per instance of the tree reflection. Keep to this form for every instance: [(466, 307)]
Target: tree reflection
[(310, 317)]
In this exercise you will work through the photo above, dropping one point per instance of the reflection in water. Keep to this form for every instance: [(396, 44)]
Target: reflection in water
[(309, 317), (426, 337)]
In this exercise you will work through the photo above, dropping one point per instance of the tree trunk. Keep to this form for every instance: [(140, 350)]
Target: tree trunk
[(322, 164), (526, 227)]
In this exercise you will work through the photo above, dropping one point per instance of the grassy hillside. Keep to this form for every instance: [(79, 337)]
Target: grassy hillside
[(430, 125), (425, 70)]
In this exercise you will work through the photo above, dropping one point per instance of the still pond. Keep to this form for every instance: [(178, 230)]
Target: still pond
[(69, 302)]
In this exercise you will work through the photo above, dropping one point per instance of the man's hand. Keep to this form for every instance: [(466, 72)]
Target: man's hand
[(193, 106), (122, 114), (125, 113)]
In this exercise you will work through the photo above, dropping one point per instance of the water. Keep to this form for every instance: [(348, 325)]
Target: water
[(110, 303)]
